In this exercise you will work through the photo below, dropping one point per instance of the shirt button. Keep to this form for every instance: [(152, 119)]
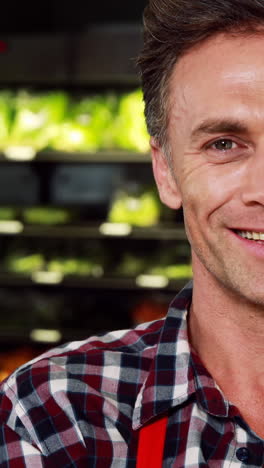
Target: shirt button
[(243, 454)]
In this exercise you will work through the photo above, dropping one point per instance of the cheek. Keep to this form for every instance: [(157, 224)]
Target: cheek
[(207, 188)]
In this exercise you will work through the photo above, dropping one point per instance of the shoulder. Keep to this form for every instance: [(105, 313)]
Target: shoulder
[(80, 384), (107, 355), (139, 342)]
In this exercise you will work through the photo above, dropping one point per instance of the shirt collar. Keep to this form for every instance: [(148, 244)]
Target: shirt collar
[(176, 373)]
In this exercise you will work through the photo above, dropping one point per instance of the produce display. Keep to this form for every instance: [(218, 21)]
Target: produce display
[(133, 265), (26, 262), (45, 215), (96, 261), (75, 266), (129, 125), (36, 118), (6, 106), (8, 213), (180, 271), (172, 262), (142, 209), (89, 125), (41, 215), (32, 121)]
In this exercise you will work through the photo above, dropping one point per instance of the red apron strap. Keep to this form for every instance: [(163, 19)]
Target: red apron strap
[(151, 444)]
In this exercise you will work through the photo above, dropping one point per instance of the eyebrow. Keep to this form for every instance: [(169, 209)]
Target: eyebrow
[(212, 126)]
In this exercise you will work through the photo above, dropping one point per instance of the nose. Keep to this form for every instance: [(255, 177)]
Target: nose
[(253, 186)]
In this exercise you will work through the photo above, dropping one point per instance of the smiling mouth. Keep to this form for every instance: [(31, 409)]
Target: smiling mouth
[(251, 235)]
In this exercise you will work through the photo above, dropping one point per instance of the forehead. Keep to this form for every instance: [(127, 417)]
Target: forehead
[(221, 71)]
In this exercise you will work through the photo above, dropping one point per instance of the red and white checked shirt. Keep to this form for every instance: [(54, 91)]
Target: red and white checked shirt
[(82, 405)]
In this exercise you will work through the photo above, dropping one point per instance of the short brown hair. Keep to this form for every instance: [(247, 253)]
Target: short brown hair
[(171, 27)]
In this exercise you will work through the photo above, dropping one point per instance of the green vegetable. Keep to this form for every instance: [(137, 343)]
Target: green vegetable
[(36, 119), (7, 213), (21, 262), (129, 128), (73, 266), (142, 210), (89, 126), (46, 215), (52, 119), (172, 271), (6, 106)]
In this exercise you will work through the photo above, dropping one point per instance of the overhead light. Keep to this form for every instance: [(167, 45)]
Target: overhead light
[(152, 281), (20, 153), (115, 229), (47, 277), (45, 336), (11, 227)]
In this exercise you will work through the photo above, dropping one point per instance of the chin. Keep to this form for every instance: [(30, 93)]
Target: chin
[(250, 292)]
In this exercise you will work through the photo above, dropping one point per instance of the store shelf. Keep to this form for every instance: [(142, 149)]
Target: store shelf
[(141, 282), (102, 55), (46, 308), (95, 231), (114, 156)]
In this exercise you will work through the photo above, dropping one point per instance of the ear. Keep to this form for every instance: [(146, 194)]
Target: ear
[(166, 183)]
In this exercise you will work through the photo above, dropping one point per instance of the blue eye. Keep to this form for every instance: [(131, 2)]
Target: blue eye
[(223, 145)]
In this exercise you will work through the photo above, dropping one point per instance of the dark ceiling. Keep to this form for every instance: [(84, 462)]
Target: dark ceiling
[(62, 16)]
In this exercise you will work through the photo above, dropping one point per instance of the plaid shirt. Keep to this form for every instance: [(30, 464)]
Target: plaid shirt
[(82, 405)]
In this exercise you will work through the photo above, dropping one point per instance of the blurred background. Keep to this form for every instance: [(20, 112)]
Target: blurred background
[(86, 245)]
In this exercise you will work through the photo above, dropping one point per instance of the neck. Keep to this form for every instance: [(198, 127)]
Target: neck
[(227, 333), (225, 323)]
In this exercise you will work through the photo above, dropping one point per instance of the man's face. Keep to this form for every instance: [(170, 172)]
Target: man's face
[(216, 136)]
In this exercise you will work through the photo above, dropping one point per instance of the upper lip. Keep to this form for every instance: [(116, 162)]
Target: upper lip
[(260, 230)]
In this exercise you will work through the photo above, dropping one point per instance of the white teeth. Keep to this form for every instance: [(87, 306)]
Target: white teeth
[(252, 235)]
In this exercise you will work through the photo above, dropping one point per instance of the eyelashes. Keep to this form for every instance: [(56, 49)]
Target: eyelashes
[(223, 144), (226, 149)]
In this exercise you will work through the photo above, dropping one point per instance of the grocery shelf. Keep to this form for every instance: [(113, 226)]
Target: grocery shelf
[(101, 55), (117, 156), (47, 279), (79, 189), (98, 230), (114, 156)]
